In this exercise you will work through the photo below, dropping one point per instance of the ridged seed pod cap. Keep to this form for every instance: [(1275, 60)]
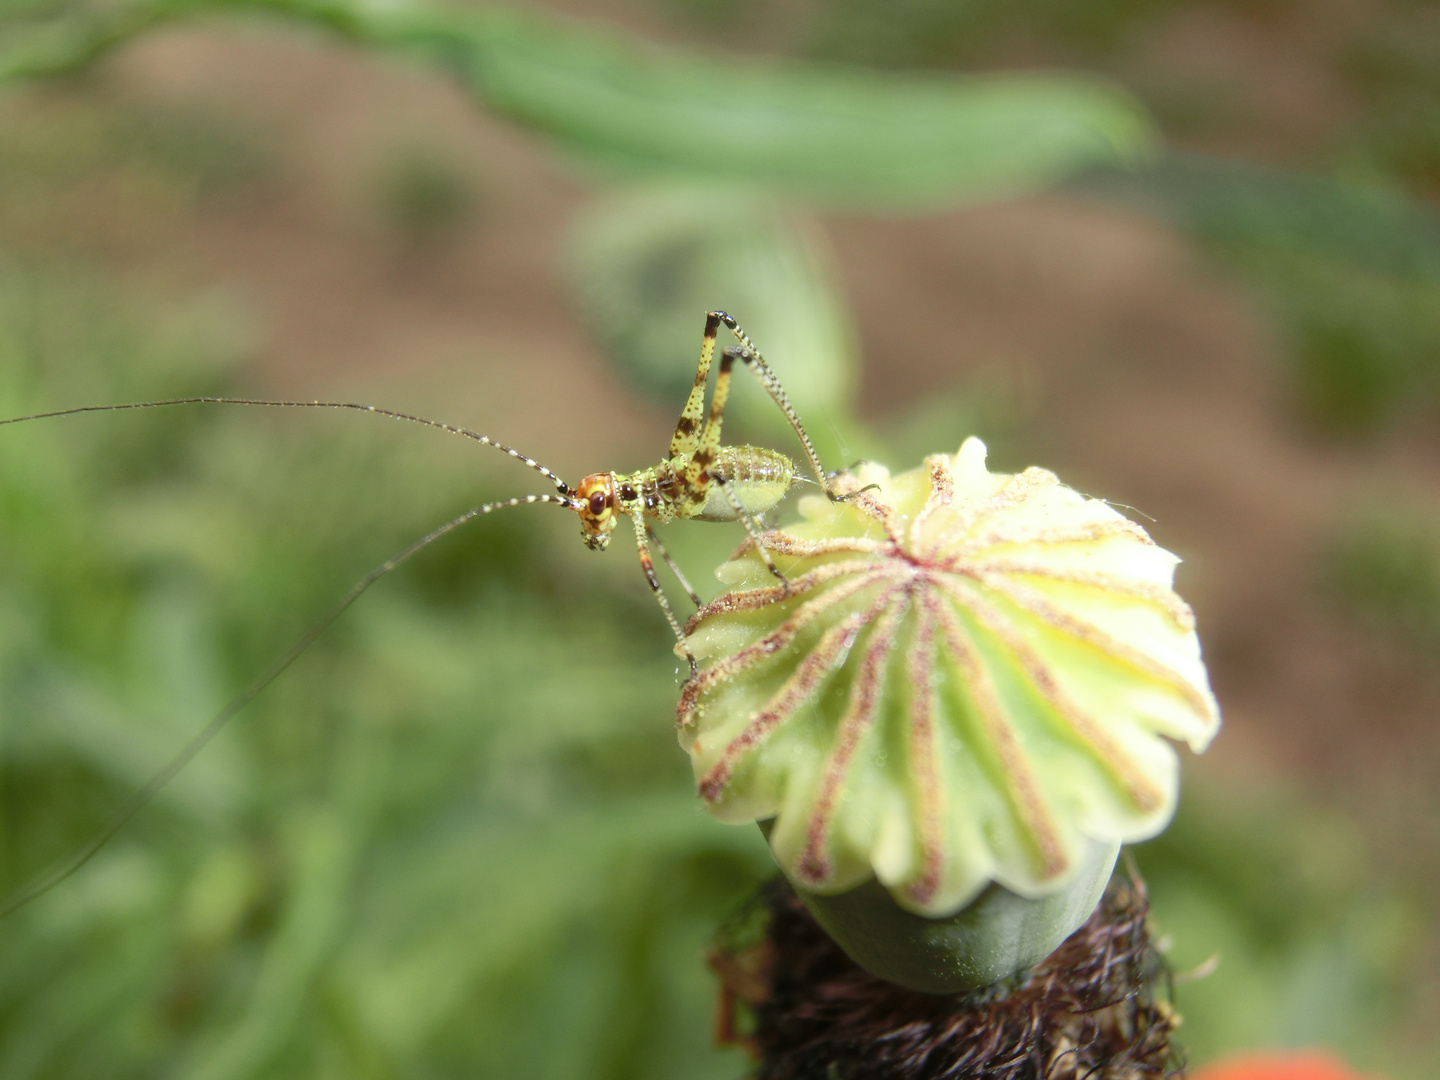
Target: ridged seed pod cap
[(969, 677)]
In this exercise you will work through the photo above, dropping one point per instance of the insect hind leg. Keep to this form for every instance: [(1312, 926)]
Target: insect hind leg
[(750, 356), (687, 428)]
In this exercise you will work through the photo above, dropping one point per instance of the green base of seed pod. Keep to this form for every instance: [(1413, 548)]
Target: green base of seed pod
[(996, 935)]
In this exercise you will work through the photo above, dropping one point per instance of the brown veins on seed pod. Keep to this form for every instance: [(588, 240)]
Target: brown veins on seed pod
[(1031, 601), (777, 639), (854, 726), (1022, 786), (780, 543), (1178, 611), (795, 692), (929, 796), (1085, 726)]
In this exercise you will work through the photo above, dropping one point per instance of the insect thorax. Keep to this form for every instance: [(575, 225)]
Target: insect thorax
[(758, 476)]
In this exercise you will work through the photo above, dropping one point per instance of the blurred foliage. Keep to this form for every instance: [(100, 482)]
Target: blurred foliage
[(1269, 898), (1351, 272), (951, 33), (1347, 267), (940, 33), (1385, 569), (846, 137), (994, 402), (80, 173), (455, 839), (1394, 64), (924, 33), (425, 197)]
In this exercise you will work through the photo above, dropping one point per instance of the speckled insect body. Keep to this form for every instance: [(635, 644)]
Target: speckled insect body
[(760, 478), (701, 479)]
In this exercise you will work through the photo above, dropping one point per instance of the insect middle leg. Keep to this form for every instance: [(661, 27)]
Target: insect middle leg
[(751, 526), (648, 565), (674, 566)]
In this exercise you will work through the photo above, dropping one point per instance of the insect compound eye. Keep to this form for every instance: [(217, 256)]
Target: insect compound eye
[(598, 500)]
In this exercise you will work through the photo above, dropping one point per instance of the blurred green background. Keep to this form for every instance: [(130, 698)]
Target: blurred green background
[(1185, 252)]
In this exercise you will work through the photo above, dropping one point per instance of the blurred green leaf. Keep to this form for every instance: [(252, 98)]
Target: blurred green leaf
[(939, 32), (1393, 66), (424, 197), (1252, 209), (844, 136), (1351, 273), (995, 402), (1311, 949), (1385, 568)]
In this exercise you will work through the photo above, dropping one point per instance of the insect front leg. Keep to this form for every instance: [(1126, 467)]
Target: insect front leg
[(648, 565)]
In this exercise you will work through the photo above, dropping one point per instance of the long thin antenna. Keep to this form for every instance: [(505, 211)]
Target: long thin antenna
[(201, 738), (483, 440)]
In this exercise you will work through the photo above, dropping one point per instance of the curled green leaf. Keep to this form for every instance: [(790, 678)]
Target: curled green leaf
[(843, 136)]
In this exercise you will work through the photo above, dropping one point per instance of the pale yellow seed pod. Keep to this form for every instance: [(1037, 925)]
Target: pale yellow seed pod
[(970, 678)]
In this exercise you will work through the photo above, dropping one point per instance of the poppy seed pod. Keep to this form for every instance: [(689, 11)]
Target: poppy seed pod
[(967, 680)]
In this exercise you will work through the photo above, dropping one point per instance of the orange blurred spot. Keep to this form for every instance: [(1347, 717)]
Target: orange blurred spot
[(1279, 1065)]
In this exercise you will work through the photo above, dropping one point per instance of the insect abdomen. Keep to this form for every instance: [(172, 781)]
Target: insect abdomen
[(761, 478)]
